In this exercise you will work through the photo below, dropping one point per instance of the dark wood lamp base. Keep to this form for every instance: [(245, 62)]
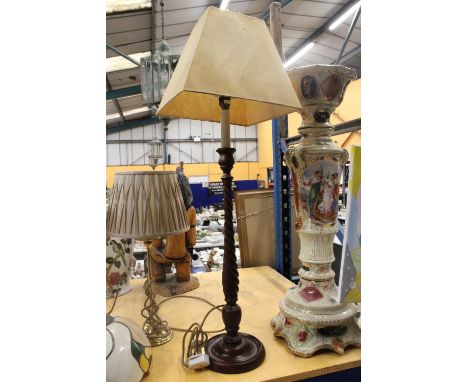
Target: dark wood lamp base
[(233, 358)]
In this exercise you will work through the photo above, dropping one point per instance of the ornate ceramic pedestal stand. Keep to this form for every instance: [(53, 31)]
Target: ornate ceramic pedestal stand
[(311, 317)]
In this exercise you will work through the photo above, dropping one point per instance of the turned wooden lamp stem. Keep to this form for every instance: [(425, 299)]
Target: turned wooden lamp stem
[(231, 311), (232, 352)]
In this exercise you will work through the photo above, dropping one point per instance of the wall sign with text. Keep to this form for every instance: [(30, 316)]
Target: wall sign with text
[(216, 188)]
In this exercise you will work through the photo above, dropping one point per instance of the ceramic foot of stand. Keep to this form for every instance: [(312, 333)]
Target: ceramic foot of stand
[(304, 340), (234, 358)]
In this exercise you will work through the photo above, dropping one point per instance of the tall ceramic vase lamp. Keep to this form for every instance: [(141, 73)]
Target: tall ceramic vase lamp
[(311, 318)]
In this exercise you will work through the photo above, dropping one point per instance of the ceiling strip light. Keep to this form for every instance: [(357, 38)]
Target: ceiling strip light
[(299, 54), (128, 112), (224, 5), (345, 15)]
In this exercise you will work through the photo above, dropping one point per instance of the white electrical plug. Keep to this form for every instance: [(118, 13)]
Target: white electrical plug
[(198, 361)]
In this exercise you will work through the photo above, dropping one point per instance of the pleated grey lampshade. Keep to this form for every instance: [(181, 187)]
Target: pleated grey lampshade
[(146, 204)]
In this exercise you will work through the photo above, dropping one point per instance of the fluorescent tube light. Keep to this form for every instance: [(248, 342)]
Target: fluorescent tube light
[(224, 5), (127, 113), (345, 15), (299, 54)]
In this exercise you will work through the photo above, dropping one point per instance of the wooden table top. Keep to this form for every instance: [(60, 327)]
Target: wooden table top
[(260, 290)]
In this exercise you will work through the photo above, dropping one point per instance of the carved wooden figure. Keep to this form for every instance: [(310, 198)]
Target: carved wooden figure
[(173, 250)]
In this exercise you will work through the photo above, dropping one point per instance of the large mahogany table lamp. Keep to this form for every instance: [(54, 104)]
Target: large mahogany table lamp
[(230, 71)]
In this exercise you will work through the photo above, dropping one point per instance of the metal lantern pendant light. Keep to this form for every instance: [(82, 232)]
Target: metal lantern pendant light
[(155, 152), (155, 148), (155, 73), (156, 69)]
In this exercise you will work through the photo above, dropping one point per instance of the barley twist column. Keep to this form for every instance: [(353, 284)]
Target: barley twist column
[(231, 311), (233, 352)]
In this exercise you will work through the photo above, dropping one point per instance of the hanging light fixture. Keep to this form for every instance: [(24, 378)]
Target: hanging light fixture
[(155, 150), (157, 69)]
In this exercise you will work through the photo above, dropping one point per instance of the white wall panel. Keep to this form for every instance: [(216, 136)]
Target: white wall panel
[(209, 152), (138, 151), (127, 134), (184, 128), (239, 131), (186, 152), (216, 130), (130, 153), (113, 136), (148, 132), (251, 131), (173, 129), (240, 151), (232, 130), (195, 128), (135, 153), (160, 130), (173, 150), (123, 154), (137, 133), (196, 152), (252, 150), (113, 155), (207, 130)]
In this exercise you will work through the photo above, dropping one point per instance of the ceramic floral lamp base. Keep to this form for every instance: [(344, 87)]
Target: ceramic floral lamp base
[(119, 254), (305, 339), (124, 290)]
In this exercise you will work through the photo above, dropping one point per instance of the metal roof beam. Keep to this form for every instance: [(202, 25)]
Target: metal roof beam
[(266, 14), (323, 28), (348, 35), (120, 53), (347, 127), (349, 55), (181, 140), (116, 103), (132, 124), (123, 92)]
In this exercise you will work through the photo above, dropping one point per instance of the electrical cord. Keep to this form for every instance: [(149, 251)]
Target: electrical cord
[(198, 336), (254, 213), (115, 300)]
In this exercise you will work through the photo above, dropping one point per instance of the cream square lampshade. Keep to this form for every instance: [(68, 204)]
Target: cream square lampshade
[(145, 205), (232, 55)]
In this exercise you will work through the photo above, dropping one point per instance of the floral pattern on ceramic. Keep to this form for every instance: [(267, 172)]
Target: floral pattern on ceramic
[(306, 339), (310, 316), (119, 255), (128, 351)]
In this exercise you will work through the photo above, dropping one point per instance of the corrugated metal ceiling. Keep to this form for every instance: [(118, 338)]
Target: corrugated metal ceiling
[(129, 30)]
